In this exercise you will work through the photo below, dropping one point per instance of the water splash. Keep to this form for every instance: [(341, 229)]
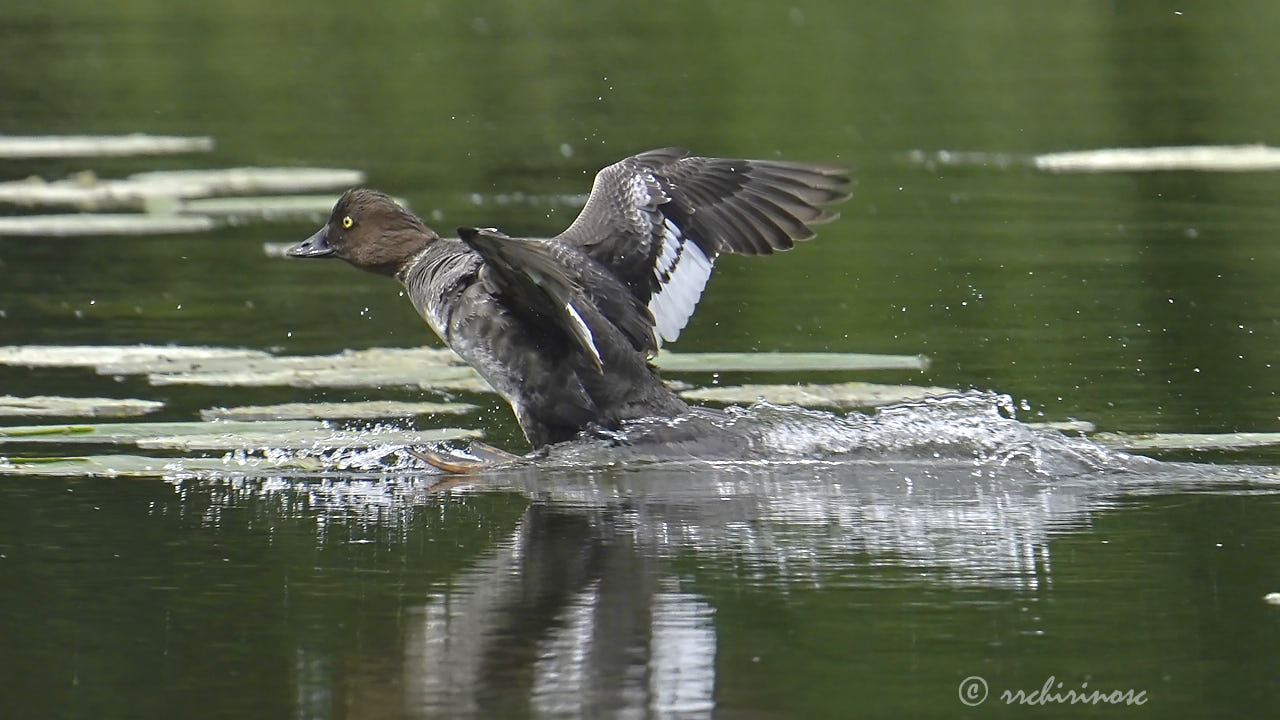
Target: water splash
[(980, 428), (975, 431)]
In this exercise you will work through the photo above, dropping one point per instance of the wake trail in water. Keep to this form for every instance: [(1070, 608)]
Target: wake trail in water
[(973, 434), (975, 427)]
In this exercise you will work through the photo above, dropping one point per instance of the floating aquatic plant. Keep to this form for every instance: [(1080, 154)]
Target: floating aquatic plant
[(140, 191), (231, 435), (15, 147), (364, 409), (850, 394), (49, 405), (1202, 158), (1186, 441)]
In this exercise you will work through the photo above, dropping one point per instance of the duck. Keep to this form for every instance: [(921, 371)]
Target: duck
[(566, 328)]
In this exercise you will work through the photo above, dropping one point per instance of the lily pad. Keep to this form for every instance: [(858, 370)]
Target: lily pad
[(785, 362), (131, 432), (242, 180), (421, 376), (263, 363), (369, 409), (230, 435), (306, 439), (80, 224), (1209, 158), (1186, 441), (64, 146), (850, 394), (427, 378), (48, 405), (369, 358), (144, 190), (1203, 158), (138, 358), (142, 466), (1066, 426), (268, 207), (422, 368)]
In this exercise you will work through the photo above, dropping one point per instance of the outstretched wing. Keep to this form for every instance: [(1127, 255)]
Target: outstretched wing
[(658, 221)]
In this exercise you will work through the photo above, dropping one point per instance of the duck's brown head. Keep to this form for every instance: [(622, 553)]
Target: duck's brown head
[(369, 230)]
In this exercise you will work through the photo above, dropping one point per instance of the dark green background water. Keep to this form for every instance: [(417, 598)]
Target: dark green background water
[(1136, 301)]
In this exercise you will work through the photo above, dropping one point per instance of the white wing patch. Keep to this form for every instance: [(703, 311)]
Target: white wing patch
[(682, 270), (584, 334)]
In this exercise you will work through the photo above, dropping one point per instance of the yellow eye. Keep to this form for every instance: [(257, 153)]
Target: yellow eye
[(347, 222)]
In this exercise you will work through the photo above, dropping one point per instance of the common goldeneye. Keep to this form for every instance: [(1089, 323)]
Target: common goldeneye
[(564, 328)]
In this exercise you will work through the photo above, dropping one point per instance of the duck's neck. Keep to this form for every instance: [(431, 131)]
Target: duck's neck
[(436, 276)]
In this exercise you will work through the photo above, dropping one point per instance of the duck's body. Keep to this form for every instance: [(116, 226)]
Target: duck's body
[(554, 387), (564, 328)]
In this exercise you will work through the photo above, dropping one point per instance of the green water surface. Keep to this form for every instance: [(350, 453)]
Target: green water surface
[(1141, 302)]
